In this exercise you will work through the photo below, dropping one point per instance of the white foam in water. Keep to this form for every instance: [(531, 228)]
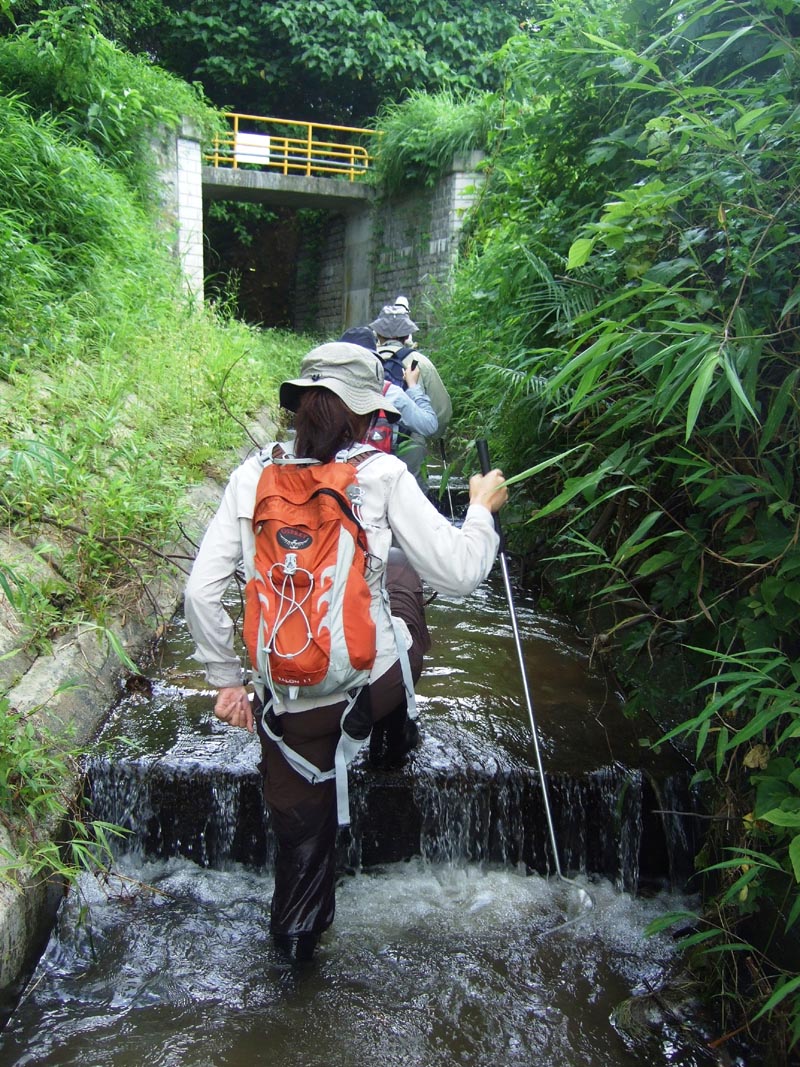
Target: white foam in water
[(425, 965)]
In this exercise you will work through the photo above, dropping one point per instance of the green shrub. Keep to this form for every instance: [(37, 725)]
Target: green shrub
[(420, 136)]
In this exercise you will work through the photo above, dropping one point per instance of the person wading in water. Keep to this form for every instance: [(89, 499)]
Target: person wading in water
[(339, 389), (394, 329)]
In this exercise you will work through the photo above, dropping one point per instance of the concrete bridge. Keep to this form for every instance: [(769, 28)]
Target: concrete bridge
[(286, 190), (367, 250)]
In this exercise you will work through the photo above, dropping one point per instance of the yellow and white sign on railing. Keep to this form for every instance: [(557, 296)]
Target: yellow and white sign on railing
[(291, 147)]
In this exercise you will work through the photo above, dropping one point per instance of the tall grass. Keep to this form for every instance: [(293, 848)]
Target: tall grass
[(115, 392), (421, 135), (106, 99)]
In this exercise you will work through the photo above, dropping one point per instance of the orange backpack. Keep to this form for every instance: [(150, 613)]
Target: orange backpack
[(307, 623)]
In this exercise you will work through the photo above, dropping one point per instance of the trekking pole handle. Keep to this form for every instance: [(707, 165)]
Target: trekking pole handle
[(485, 463), (483, 455)]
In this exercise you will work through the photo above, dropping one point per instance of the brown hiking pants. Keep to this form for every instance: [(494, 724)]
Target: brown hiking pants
[(302, 814)]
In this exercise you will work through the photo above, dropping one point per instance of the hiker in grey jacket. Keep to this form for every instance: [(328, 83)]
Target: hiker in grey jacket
[(340, 388), (394, 328), (413, 403)]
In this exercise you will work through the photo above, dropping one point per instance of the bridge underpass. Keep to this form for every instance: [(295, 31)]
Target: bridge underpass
[(364, 250), (267, 268)]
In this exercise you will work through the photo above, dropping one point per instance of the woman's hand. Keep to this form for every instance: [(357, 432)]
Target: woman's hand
[(483, 489), (411, 374), (233, 707)]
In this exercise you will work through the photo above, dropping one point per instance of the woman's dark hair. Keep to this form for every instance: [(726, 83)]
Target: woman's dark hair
[(324, 424)]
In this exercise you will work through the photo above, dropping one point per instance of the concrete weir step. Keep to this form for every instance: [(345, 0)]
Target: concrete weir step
[(450, 802)]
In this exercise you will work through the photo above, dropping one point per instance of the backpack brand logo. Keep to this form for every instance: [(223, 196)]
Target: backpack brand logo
[(293, 538)]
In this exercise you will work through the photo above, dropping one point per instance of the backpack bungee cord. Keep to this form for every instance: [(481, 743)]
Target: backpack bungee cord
[(583, 894)]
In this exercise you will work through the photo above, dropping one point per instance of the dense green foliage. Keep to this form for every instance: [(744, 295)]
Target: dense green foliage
[(629, 296), (116, 392), (420, 136), (329, 60), (111, 379), (107, 99), (333, 60)]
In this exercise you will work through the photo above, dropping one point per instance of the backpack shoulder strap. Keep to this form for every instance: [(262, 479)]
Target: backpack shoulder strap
[(357, 453), (275, 452)]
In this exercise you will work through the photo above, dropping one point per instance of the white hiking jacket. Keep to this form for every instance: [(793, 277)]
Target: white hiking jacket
[(452, 561)]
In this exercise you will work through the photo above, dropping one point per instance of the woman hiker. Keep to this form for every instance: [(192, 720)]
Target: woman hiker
[(339, 389)]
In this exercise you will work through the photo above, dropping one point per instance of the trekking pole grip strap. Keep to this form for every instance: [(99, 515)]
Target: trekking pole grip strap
[(485, 464)]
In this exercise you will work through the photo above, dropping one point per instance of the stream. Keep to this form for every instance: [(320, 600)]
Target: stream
[(453, 941)]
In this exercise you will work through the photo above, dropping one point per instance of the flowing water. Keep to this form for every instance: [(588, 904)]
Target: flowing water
[(448, 947), (425, 965)]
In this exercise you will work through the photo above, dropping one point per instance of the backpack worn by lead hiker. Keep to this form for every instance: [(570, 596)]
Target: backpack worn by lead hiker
[(392, 360), (307, 623)]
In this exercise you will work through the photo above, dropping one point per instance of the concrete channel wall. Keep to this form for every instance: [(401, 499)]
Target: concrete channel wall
[(364, 253), (71, 691)]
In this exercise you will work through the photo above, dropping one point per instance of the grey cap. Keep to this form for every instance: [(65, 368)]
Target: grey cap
[(349, 371), (393, 321)]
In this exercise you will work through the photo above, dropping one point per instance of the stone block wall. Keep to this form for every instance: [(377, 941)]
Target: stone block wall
[(405, 244), (417, 236), (319, 302)]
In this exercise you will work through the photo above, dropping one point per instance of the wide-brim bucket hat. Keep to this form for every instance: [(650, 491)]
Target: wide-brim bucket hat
[(349, 371), (393, 321)]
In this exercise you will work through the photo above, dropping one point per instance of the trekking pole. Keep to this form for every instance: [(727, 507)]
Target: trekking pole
[(444, 472), (483, 459)]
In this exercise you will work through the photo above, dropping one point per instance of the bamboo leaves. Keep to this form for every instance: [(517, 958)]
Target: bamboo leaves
[(661, 182)]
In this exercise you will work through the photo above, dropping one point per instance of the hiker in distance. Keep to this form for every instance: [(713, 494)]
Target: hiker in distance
[(402, 388), (395, 328), (339, 389)]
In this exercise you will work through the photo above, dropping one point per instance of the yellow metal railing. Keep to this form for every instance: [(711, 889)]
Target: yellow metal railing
[(290, 147)]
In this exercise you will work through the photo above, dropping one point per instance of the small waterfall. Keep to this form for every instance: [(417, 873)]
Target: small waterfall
[(215, 815), (210, 815), (468, 794), (629, 823)]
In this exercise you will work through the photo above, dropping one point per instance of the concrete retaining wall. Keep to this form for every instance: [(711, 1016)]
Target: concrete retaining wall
[(355, 264)]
